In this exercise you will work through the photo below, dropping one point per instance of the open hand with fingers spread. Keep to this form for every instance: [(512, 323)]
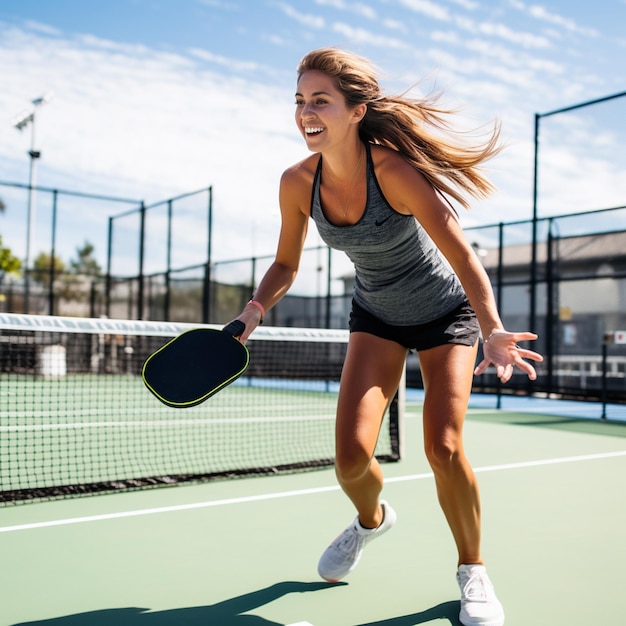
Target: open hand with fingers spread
[(502, 351)]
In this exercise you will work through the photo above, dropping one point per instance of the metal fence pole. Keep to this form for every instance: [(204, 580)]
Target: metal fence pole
[(499, 290), (52, 254), (550, 324), (207, 292), (604, 372), (167, 302), (328, 288), (107, 286), (142, 244)]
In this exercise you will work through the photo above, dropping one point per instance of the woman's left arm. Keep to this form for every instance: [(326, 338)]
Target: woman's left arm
[(410, 192), (500, 347)]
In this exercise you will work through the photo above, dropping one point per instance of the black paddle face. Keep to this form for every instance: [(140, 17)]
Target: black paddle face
[(192, 367)]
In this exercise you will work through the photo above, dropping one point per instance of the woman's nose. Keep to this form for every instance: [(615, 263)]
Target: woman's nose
[(306, 112)]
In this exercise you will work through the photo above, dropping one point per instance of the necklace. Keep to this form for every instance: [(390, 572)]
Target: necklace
[(345, 206)]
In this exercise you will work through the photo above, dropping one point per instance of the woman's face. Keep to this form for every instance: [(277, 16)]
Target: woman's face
[(322, 115)]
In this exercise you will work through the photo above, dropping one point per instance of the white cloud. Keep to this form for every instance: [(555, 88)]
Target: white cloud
[(394, 25), (45, 29), (501, 31), (470, 5), (306, 19), (221, 4), (541, 13), (230, 64), (361, 36), (138, 123), (356, 8), (427, 8)]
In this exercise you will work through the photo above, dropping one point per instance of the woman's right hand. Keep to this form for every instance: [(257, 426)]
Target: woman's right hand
[(251, 317)]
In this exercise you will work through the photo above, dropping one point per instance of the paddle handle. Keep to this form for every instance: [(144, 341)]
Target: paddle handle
[(234, 328)]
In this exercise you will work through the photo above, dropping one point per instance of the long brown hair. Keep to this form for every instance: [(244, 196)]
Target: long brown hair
[(410, 126)]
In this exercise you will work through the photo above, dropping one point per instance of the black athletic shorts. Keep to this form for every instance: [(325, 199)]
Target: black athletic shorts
[(460, 326)]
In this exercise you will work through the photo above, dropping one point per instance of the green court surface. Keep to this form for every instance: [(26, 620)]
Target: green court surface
[(244, 552), (95, 429)]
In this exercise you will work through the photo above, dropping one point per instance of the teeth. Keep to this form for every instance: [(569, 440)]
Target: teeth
[(313, 130)]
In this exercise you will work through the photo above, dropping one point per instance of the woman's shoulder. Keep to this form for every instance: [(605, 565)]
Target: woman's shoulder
[(385, 157), (398, 179), (296, 183), (302, 172), (391, 166)]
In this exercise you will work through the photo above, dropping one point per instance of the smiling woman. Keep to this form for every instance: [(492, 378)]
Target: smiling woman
[(376, 187)]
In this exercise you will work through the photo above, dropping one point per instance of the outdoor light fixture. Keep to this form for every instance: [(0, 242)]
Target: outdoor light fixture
[(21, 122)]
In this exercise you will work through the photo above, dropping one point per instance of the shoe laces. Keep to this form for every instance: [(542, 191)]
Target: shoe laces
[(348, 541), (477, 587)]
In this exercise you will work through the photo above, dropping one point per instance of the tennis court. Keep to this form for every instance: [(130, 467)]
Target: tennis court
[(244, 552)]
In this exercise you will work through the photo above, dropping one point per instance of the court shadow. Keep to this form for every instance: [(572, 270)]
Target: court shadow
[(231, 612), (445, 610)]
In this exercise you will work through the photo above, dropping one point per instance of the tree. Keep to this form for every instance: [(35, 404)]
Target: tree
[(42, 265), (86, 264), (9, 264)]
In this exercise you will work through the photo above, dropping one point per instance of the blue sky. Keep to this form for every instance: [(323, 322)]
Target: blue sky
[(154, 98)]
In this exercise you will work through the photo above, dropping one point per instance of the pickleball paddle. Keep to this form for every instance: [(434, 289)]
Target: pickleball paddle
[(196, 364)]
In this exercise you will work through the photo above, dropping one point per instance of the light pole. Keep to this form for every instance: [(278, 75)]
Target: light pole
[(21, 122)]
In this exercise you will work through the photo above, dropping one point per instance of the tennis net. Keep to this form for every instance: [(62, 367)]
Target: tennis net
[(76, 418)]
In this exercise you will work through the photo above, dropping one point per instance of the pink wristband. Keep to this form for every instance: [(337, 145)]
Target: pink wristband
[(259, 306)]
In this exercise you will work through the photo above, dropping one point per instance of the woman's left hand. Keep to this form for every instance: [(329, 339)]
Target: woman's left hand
[(500, 349)]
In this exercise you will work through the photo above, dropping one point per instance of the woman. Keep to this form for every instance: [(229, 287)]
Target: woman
[(376, 187)]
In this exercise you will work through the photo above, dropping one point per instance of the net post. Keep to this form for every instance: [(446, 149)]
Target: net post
[(396, 418)]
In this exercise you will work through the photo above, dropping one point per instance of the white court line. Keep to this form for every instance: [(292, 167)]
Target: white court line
[(523, 464), (200, 421), (297, 492), (167, 509)]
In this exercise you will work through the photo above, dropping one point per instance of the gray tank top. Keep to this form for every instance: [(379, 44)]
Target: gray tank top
[(400, 275)]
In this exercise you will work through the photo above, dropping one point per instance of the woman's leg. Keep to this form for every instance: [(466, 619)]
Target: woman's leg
[(370, 377), (447, 373)]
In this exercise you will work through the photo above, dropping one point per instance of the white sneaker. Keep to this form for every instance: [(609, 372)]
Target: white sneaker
[(343, 554), (479, 605)]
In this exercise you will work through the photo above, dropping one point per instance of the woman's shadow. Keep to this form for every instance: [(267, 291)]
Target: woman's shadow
[(232, 612)]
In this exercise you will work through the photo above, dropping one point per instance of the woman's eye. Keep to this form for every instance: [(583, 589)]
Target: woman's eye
[(320, 102)]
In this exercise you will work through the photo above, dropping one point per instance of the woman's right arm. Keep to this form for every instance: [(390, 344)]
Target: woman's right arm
[(294, 223)]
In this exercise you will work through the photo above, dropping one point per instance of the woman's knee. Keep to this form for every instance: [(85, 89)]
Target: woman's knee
[(352, 464), (444, 453)]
